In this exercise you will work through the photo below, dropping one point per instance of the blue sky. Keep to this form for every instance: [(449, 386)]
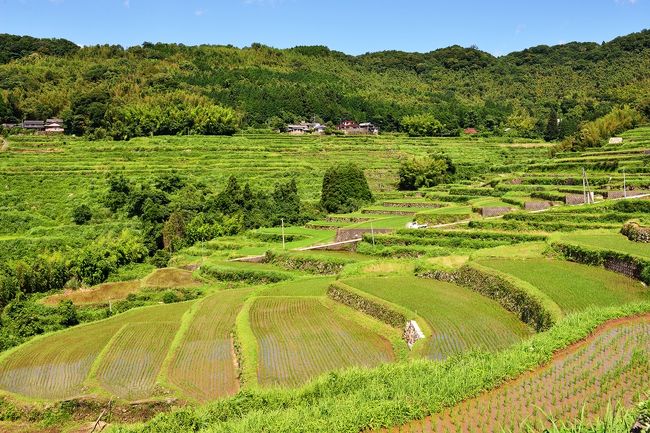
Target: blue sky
[(355, 27)]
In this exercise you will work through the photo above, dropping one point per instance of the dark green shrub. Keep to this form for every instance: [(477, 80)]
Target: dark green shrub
[(160, 259), (170, 297), (345, 189), (81, 214), (416, 173)]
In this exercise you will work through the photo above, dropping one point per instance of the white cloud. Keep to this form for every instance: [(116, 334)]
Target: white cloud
[(199, 12), (520, 28), (626, 2), (127, 3)]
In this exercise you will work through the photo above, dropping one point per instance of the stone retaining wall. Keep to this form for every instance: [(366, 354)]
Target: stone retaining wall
[(620, 194), (636, 233), (625, 267), (494, 211), (414, 204), (537, 205), (343, 235), (574, 199), (388, 212)]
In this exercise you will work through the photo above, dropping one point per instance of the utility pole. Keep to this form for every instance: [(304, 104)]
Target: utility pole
[(283, 243), (372, 233), (584, 185), (624, 185)]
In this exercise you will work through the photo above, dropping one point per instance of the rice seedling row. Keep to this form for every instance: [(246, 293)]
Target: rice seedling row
[(611, 368), (204, 366), (299, 338)]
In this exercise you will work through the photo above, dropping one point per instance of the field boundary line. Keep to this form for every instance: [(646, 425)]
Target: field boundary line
[(248, 344), (186, 322), (390, 334)]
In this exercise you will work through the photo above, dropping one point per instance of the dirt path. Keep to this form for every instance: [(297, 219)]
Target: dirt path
[(4, 145)]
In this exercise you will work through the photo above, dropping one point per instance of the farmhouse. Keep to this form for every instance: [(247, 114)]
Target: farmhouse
[(351, 127), (54, 126), (470, 131), (49, 126), (306, 128), (34, 125)]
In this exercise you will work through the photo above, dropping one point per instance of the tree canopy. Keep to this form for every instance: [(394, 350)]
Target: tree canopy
[(345, 189), (110, 91)]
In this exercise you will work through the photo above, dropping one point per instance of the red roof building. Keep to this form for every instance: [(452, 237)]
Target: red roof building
[(348, 124), (471, 131)]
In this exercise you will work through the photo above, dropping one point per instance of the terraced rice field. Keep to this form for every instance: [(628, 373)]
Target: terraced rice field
[(77, 166), (134, 358), (204, 365), (299, 338), (55, 367), (571, 285), (461, 319), (608, 241), (100, 293), (305, 287), (611, 367), (58, 365)]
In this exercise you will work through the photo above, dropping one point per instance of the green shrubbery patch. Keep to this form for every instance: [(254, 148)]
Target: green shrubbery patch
[(253, 276), (310, 264)]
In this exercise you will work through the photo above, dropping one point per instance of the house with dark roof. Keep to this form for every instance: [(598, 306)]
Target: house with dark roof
[(34, 125)]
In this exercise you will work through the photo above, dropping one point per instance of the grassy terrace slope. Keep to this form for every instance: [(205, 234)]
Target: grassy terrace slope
[(300, 338), (67, 168), (461, 319), (573, 286)]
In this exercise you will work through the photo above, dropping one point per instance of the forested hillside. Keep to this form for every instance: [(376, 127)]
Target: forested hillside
[(112, 91)]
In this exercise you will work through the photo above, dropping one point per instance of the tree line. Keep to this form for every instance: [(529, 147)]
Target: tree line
[(110, 91)]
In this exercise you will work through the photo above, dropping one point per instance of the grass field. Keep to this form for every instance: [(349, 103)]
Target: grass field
[(204, 366), (578, 385), (571, 285), (461, 319), (299, 338)]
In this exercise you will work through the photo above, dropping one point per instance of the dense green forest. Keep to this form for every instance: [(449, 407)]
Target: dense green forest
[(110, 91)]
